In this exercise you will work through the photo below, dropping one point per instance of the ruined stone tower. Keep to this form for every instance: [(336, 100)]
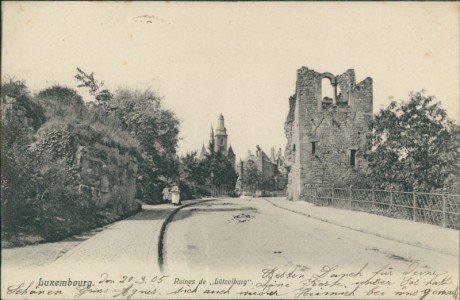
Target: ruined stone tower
[(326, 135)]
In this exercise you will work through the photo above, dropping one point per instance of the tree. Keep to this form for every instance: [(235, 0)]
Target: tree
[(413, 145), (252, 179), (193, 176), (191, 169), (217, 164), (61, 102), (94, 86), (157, 129)]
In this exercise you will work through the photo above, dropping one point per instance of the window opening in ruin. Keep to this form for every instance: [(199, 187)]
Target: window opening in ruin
[(327, 90), (313, 148), (340, 96), (293, 152), (353, 157)]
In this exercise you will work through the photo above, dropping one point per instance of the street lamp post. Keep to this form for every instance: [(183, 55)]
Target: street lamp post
[(212, 184)]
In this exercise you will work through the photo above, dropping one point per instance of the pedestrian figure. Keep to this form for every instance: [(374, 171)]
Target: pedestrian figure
[(166, 193), (175, 191), (169, 194)]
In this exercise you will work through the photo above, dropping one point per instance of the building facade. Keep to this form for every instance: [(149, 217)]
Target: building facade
[(326, 136), (266, 166)]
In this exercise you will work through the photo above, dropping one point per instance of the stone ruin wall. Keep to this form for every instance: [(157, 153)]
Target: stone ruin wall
[(336, 128), (108, 177)]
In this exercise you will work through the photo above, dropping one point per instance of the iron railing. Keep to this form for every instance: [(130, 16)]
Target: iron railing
[(432, 208)]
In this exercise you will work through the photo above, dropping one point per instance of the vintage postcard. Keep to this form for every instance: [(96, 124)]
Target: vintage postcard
[(230, 150)]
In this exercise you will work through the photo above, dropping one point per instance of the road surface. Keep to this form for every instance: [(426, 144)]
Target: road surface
[(250, 235), (233, 241)]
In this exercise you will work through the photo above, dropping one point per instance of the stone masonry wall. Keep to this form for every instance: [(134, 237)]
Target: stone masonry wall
[(336, 128), (108, 176)]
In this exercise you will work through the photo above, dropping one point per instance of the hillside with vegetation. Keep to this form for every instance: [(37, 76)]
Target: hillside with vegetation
[(70, 165)]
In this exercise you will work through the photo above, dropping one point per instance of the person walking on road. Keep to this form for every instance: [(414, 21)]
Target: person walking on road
[(166, 193), (175, 191)]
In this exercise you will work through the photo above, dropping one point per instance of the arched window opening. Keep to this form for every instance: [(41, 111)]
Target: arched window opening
[(327, 91)]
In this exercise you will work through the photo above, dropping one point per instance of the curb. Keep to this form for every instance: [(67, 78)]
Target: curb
[(364, 231), (164, 227)]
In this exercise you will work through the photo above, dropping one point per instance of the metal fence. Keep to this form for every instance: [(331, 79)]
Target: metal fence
[(438, 209)]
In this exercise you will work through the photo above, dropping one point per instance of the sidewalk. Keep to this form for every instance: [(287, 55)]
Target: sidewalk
[(106, 242), (421, 235)]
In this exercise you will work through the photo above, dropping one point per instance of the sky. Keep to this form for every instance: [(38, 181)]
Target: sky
[(237, 58)]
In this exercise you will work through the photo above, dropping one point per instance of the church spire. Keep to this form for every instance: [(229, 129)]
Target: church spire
[(212, 142), (221, 136), (203, 153), (221, 130)]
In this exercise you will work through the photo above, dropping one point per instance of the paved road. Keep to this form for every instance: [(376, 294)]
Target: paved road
[(232, 236), (231, 239), (129, 245)]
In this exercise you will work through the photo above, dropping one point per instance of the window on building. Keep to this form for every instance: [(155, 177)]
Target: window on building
[(313, 148), (222, 141), (353, 157)]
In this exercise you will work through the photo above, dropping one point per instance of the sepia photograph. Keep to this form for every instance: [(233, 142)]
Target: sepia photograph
[(230, 150)]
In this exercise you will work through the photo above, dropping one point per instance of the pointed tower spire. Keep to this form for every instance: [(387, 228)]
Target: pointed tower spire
[(203, 152), (221, 136), (212, 142)]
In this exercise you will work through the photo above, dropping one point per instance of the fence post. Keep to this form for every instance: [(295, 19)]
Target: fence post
[(332, 196), (391, 200), (351, 207), (373, 198), (414, 195), (316, 194), (444, 208)]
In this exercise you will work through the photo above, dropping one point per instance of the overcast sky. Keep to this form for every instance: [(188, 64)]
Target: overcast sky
[(236, 58)]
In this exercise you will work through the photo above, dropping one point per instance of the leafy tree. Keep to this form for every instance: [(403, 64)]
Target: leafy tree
[(61, 102), (214, 170), (94, 86), (269, 183), (219, 169), (252, 179), (156, 129), (141, 114), (413, 145), (192, 170), (193, 176), (14, 88)]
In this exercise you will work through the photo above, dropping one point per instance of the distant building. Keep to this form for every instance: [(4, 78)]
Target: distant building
[(326, 135), (203, 153), (267, 167), (220, 138), (278, 160)]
